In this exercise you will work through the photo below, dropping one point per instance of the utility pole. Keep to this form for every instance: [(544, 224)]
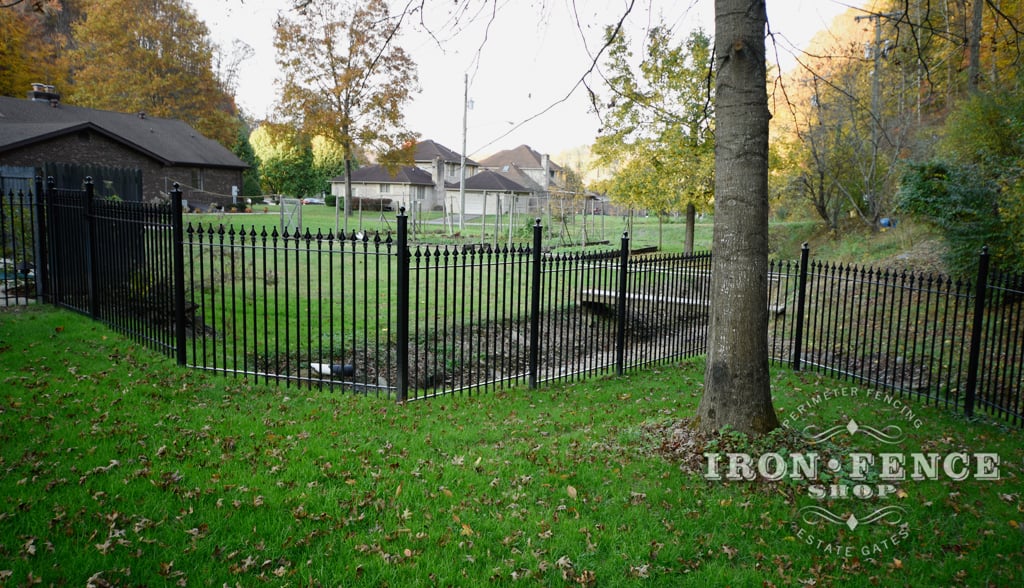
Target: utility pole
[(877, 51), (876, 107), (462, 164)]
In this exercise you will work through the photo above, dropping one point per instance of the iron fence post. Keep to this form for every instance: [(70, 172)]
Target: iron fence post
[(620, 310), (53, 262), (801, 300), (974, 355), (41, 253), (178, 259), (402, 327), (535, 290), (91, 260)]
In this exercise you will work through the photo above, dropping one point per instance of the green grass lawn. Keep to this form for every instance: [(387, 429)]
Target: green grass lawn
[(117, 468), (429, 228)]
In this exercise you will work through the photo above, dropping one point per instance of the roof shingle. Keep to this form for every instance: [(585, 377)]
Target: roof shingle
[(493, 181), (428, 150), (378, 174), (523, 156)]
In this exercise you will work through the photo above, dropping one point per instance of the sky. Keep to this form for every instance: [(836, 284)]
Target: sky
[(523, 70)]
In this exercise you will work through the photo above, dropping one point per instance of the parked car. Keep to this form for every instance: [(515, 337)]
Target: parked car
[(313, 201)]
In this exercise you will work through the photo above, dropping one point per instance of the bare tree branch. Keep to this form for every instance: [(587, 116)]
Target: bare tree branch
[(582, 81)]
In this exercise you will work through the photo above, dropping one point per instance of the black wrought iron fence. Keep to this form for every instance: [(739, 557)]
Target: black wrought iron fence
[(19, 219), (374, 314), (298, 308), (113, 260), (925, 336), (1000, 348)]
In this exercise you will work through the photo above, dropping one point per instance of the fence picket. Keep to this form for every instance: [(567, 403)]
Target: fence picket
[(977, 324)]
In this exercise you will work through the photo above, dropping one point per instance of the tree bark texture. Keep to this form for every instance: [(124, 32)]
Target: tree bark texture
[(737, 390), (691, 220)]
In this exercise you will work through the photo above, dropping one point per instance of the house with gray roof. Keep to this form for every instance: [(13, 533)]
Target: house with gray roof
[(421, 186), (548, 175), (488, 192), (378, 188), (431, 155), (42, 134)]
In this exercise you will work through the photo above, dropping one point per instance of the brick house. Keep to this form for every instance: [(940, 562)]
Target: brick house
[(41, 134)]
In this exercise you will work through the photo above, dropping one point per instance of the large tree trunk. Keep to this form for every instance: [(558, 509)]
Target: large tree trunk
[(737, 389), (974, 47), (348, 189), (691, 219)]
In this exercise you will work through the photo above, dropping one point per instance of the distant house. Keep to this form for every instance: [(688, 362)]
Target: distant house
[(431, 156), (488, 192), (420, 186), (42, 136), (547, 175), (407, 187)]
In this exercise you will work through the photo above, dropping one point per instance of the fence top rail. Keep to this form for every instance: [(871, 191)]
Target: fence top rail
[(463, 251), (662, 257), (231, 231), (889, 275), (128, 205), (67, 194), (1010, 282), (20, 193)]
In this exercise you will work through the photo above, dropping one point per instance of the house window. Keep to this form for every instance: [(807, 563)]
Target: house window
[(385, 188), (197, 179)]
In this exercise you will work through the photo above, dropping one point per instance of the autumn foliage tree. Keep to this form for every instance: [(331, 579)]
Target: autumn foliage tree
[(344, 78), (34, 36), (17, 70), (873, 91), (657, 131), (152, 56)]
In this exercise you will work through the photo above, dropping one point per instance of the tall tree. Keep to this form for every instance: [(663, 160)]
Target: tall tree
[(244, 150), (34, 36), (657, 127), (346, 79), (44, 7), (152, 56), (286, 161), (973, 191), (737, 388), (15, 67), (844, 147)]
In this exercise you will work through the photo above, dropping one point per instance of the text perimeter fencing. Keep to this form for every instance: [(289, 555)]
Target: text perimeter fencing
[(375, 314)]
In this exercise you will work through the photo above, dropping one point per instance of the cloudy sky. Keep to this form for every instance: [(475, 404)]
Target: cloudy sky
[(523, 69)]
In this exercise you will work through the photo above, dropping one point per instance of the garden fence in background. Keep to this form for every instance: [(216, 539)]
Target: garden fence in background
[(373, 313)]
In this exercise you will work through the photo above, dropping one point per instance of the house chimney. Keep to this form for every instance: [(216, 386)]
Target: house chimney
[(438, 177), (44, 93)]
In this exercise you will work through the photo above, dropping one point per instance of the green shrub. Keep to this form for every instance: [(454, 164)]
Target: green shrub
[(970, 210)]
